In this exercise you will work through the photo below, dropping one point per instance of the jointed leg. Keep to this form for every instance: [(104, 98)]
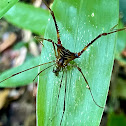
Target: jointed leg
[(60, 87), (42, 71), (25, 70), (49, 40), (64, 105), (88, 86), (58, 95), (57, 30), (113, 28), (103, 34)]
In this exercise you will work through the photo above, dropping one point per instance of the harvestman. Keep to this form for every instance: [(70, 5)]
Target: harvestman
[(63, 57)]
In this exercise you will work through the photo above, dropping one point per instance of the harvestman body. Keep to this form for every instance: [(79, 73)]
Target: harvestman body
[(63, 57)]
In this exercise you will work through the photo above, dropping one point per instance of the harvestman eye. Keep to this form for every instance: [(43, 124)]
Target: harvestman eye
[(64, 64)]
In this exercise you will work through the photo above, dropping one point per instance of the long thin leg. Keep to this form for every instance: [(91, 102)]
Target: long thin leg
[(103, 34), (42, 71), (57, 30), (25, 70), (113, 28), (58, 95), (88, 86), (60, 88), (40, 39), (64, 105)]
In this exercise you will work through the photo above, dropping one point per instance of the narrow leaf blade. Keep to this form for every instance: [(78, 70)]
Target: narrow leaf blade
[(79, 22)]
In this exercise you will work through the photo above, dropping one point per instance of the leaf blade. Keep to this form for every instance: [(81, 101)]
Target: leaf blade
[(31, 18), (79, 22), (5, 6), (21, 79)]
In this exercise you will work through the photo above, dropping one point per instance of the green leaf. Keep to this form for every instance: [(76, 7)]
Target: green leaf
[(23, 78), (122, 10), (5, 5), (116, 119), (79, 21), (28, 17), (119, 90)]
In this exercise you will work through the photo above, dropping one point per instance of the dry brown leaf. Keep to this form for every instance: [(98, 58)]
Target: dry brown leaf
[(8, 42), (3, 97)]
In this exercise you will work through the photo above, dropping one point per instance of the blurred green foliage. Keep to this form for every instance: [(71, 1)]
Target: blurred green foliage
[(5, 5), (116, 119), (28, 17)]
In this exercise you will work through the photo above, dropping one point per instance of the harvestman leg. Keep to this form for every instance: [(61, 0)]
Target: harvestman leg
[(113, 28), (49, 40), (103, 34), (56, 26), (58, 95), (57, 30), (64, 104), (60, 88), (42, 71), (80, 53), (79, 69), (25, 70)]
